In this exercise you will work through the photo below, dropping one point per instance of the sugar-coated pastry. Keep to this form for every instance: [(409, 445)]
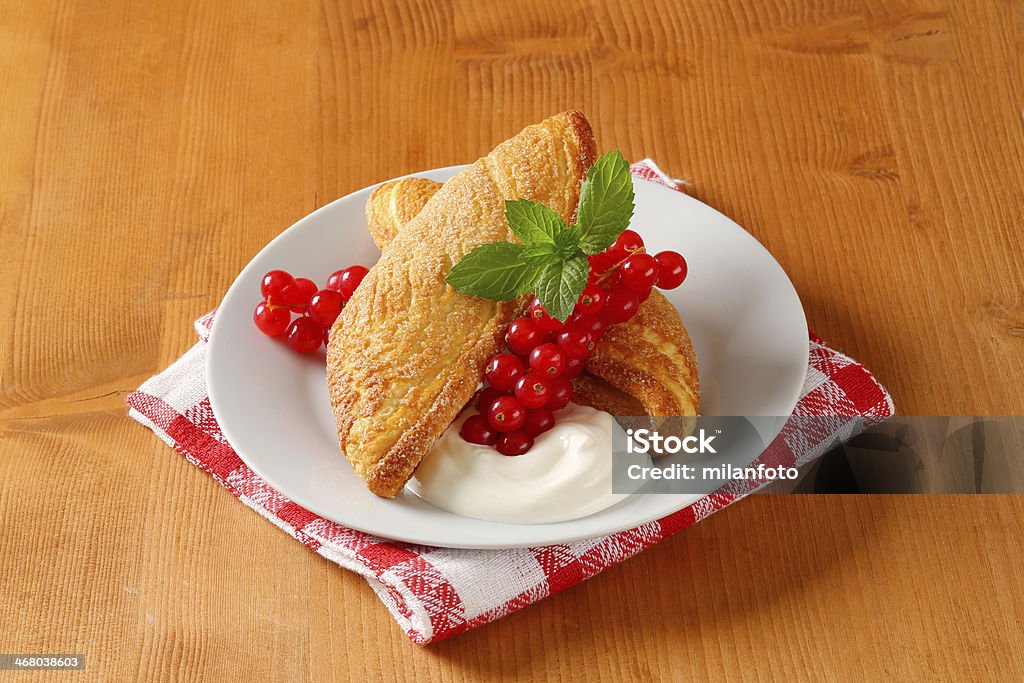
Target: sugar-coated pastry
[(407, 352), (394, 204), (650, 357), (590, 390)]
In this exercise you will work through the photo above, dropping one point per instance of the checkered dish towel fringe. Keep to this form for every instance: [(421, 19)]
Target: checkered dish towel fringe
[(435, 593)]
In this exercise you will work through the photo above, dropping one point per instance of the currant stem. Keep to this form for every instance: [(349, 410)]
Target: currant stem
[(608, 273)]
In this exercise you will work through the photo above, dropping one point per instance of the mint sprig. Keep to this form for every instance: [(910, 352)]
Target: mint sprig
[(495, 271), (560, 283), (551, 261), (532, 222), (606, 203)]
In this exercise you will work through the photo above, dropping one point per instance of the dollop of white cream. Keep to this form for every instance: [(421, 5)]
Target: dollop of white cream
[(566, 475)]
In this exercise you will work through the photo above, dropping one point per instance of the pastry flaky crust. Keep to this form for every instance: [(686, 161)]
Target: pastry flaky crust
[(644, 366), (392, 205), (407, 352), (650, 357), (590, 390)]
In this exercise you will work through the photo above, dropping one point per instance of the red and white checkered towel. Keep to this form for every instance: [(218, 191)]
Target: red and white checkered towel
[(434, 593)]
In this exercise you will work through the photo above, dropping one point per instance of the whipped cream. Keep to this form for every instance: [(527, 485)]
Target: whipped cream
[(566, 475)]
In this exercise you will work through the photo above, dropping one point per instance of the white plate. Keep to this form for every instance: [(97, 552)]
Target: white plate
[(741, 310)]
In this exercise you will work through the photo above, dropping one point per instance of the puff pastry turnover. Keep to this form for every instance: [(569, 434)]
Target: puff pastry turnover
[(644, 366), (407, 352)]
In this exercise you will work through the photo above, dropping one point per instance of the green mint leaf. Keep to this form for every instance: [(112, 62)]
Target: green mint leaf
[(567, 241), (544, 251), (495, 271), (606, 202), (532, 222), (560, 284), (572, 253)]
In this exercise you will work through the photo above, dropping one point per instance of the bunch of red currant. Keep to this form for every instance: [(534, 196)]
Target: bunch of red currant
[(317, 309), (526, 384)]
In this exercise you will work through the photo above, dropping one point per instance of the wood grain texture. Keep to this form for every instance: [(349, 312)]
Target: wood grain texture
[(150, 149)]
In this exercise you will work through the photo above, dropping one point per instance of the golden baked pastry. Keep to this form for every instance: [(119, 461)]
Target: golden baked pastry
[(407, 352), (649, 357), (394, 204), (590, 390)]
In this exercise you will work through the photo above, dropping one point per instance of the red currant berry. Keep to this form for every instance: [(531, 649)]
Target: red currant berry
[(307, 287), (297, 294), (523, 335), (274, 282), (304, 335), (582, 325), (547, 359), (620, 306), (325, 307), (514, 443), (545, 323), (525, 359), (271, 321), (573, 367), (628, 242), (538, 421), (476, 430), (590, 301), (486, 396), (589, 323), (506, 414), (639, 272), (601, 262), (610, 280), (550, 327), (559, 394), (334, 281), (533, 390), (575, 342), (536, 310), (345, 281), (671, 269), (502, 371)]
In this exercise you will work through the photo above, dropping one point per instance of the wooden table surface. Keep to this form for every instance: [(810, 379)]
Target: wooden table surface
[(149, 149)]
